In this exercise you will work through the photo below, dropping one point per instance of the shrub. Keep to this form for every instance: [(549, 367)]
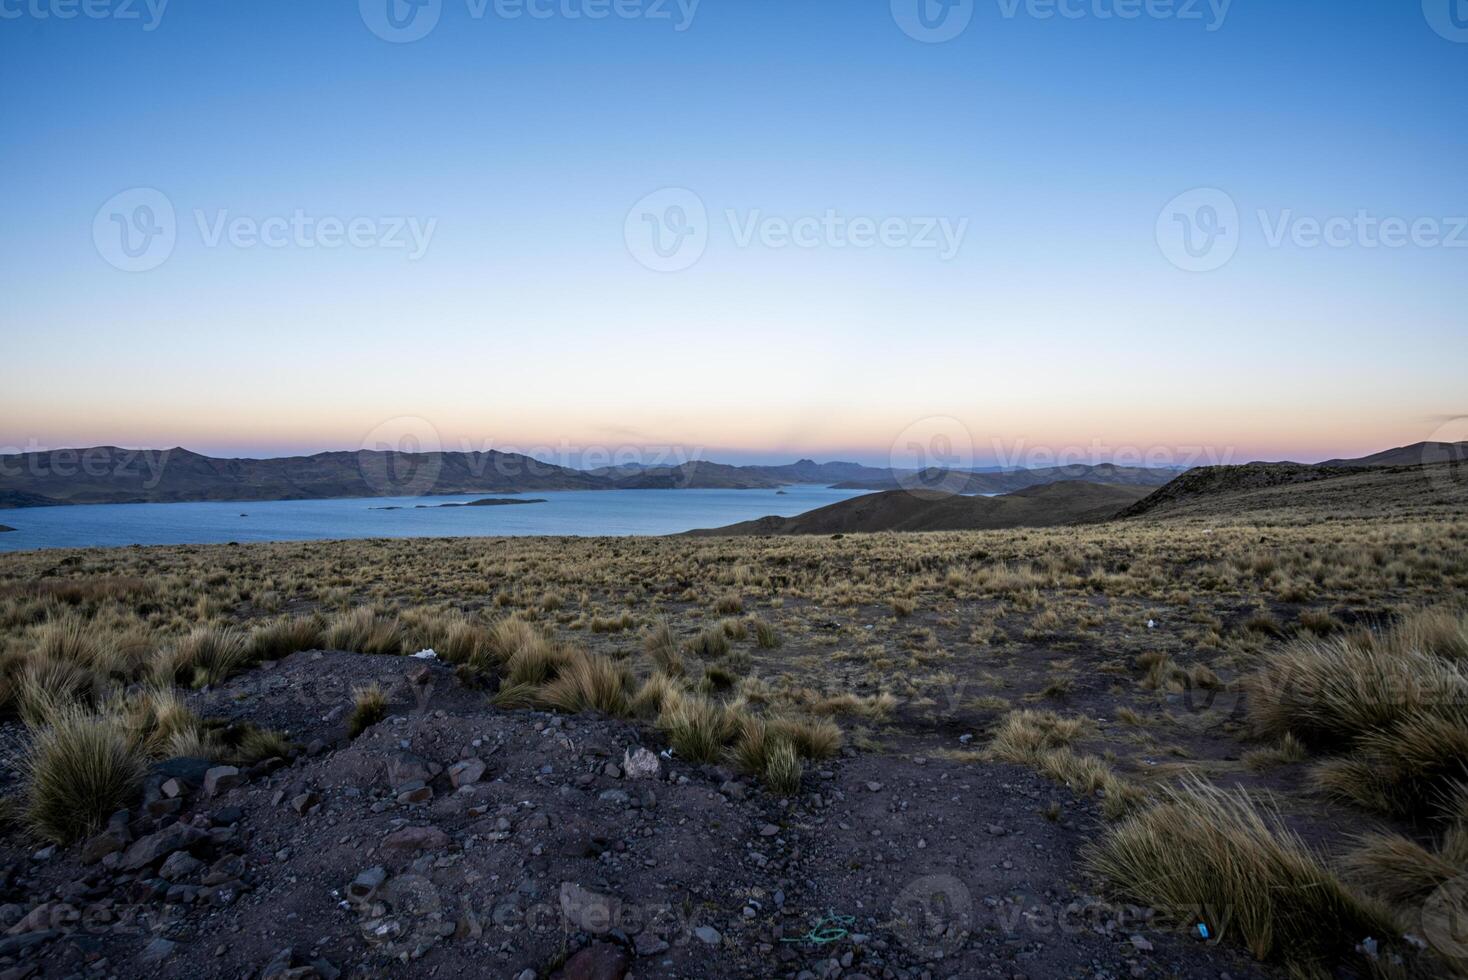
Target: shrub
[(80, 769), (663, 650), (285, 636), (710, 644), (1204, 848), (207, 655), (365, 630), (369, 707), (698, 728), (587, 682)]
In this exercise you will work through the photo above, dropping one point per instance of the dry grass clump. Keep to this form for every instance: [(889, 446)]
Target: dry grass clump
[(1402, 871), (1042, 739), (586, 682), (81, 767), (729, 605), (813, 738), (783, 769), (365, 630), (765, 636), (698, 728), (663, 649), (369, 706), (711, 643), (282, 637), (1394, 705), (207, 655), (1218, 852)]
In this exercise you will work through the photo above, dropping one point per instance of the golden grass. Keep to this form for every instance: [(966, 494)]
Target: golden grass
[(369, 706), (81, 767), (1232, 859)]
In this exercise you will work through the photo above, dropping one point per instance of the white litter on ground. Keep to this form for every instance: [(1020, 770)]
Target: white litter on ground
[(425, 655)]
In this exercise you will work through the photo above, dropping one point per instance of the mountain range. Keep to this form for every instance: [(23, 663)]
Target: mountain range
[(108, 474)]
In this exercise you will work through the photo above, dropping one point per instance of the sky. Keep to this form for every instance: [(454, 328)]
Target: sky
[(749, 230)]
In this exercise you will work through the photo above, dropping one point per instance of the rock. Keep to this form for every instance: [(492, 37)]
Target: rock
[(226, 815), (648, 943), (155, 847), (414, 792), (365, 885), (590, 911), (107, 842), (874, 787), (466, 772), (180, 864), (221, 779), (410, 840), (15, 945), (995, 830), (599, 961), (174, 787), (1141, 944), (305, 802), (769, 830), (734, 790), (279, 965), (708, 935), (37, 919), (405, 767), (158, 950), (640, 765), (420, 674)]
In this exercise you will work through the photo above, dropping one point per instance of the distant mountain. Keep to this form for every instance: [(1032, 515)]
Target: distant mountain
[(1418, 454), (1008, 481), (1069, 502), (107, 474)]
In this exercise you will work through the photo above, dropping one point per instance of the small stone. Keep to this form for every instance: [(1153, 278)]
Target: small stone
[(708, 935), (874, 787), (180, 864), (221, 779), (466, 772), (590, 911), (769, 830), (158, 950)]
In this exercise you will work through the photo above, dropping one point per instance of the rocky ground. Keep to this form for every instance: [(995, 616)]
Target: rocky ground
[(455, 839)]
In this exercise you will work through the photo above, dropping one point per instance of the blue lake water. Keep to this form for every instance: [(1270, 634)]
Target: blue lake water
[(586, 512)]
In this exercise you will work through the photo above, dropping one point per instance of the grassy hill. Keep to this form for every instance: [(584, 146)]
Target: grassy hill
[(1068, 502)]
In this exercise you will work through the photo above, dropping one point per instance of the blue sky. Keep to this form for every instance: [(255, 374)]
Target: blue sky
[(532, 320)]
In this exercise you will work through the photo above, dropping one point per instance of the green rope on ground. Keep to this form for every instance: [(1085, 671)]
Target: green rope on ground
[(831, 929)]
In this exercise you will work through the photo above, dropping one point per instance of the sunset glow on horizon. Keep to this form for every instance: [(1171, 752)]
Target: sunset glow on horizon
[(856, 231)]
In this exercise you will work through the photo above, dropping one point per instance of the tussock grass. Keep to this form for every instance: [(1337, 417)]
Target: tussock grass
[(586, 682), (765, 635), (81, 767), (369, 706), (659, 644), (1220, 852), (698, 728), (365, 630), (207, 655), (710, 644), (1394, 705), (782, 769), (284, 636), (1402, 871), (813, 738)]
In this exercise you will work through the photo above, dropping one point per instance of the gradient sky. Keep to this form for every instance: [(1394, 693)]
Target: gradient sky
[(529, 323)]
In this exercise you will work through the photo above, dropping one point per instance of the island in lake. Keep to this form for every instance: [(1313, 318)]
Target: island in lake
[(3, 529), (486, 502)]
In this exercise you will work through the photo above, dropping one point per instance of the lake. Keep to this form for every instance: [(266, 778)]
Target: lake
[(582, 512)]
